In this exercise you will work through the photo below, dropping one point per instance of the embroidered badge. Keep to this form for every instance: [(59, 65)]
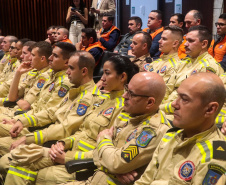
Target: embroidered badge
[(194, 71), (108, 111), (145, 137), (210, 69), (221, 46), (146, 66), (130, 153), (213, 174), (51, 87), (40, 83), (63, 90), (82, 108), (163, 69), (186, 170), (132, 135)]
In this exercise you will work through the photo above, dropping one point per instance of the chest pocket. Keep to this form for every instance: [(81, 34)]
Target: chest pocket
[(173, 180), (101, 122)]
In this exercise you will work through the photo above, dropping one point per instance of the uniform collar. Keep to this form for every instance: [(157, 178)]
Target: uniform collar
[(115, 94), (169, 56), (142, 58), (43, 70), (57, 74)]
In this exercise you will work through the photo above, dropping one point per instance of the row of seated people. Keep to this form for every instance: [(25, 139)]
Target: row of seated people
[(136, 122)]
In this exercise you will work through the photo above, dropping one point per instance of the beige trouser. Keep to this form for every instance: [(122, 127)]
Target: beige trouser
[(75, 32)]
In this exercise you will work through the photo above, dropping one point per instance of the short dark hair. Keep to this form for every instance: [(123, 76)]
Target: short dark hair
[(110, 17), (67, 49), (137, 20), (29, 44), (160, 14), (90, 32), (51, 27), (123, 64), (203, 33), (146, 38), (85, 60), (58, 27), (176, 30), (223, 16), (44, 49), (180, 17), (22, 41)]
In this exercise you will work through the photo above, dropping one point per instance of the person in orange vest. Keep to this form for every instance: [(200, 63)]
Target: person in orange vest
[(89, 43), (155, 29), (109, 34), (218, 47), (62, 35)]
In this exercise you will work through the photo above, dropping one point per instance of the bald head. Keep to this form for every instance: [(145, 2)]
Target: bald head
[(61, 34), (193, 18), (145, 93), (210, 87)]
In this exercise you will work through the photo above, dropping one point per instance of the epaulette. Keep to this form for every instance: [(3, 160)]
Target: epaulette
[(219, 150)]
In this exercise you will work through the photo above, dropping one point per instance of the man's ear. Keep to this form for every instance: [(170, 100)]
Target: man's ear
[(204, 44), (211, 109), (151, 102), (84, 71)]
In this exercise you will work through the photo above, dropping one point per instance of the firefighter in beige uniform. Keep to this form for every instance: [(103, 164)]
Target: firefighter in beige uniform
[(134, 135), (51, 94), (196, 154), (140, 46), (166, 66), (84, 141), (200, 61)]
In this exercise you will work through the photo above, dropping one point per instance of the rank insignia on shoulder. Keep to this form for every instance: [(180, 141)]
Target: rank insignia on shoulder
[(108, 111), (163, 69), (130, 153), (186, 170), (51, 87), (146, 66), (145, 137), (132, 135), (210, 69), (213, 174), (82, 108), (63, 90), (40, 83), (219, 150)]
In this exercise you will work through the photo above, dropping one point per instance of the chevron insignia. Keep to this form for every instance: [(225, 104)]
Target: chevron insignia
[(130, 153)]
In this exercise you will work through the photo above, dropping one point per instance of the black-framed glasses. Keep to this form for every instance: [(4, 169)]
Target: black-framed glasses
[(219, 24), (131, 94)]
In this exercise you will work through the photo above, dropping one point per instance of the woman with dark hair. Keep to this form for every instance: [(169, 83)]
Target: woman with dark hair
[(77, 15)]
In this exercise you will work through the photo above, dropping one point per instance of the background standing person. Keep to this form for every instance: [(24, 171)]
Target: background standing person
[(78, 16)]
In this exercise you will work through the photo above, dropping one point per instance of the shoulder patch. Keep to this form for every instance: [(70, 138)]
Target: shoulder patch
[(63, 90), (82, 108), (41, 83), (163, 69), (146, 66), (186, 170), (131, 136), (108, 111), (213, 174), (210, 69), (51, 87), (145, 137), (219, 150), (130, 153)]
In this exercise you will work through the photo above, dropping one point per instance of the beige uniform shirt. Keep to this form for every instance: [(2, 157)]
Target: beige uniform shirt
[(166, 66), (102, 117), (131, 148), (4, 61), (142, 62), (198, 160), (68, 116), (188, 66), (6, 76), (50, 95)]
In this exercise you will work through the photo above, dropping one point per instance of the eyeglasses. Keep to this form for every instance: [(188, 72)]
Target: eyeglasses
[(219, 24), (131, 94)]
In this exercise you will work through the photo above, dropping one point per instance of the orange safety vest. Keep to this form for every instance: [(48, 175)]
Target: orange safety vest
[(156, 32), (181, 49), (106, 35), (67, 40), (219, 50)]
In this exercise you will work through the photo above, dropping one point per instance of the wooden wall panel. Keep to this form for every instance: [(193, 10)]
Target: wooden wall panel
[(31, 18)]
